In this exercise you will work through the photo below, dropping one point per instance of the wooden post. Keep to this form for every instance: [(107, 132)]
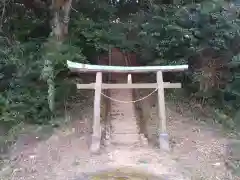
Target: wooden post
[(129, 79), (163, 136), (96, 137)]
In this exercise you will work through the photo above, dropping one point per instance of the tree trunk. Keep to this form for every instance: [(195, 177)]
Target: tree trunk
[(59, 32), (60, 28)]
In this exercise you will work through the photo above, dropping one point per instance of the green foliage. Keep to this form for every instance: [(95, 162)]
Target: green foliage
[(173, 33), (54, 62), (96, 36), (22, 93)]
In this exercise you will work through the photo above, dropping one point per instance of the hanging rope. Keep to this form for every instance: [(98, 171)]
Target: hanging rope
[(120, 101)]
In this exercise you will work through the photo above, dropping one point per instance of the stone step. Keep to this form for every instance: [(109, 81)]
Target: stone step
[(125, 123), (124, 130), (125, 139), (123, 119)]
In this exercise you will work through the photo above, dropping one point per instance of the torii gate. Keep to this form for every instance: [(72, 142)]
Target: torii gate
[(98, 86)]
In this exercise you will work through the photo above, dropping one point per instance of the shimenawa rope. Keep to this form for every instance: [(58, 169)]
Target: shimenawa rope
[(140, 99)]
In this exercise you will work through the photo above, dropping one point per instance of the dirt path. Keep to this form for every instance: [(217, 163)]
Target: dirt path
[(197, 151)]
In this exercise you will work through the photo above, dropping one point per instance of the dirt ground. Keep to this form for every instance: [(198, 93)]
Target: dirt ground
[(198, 150), (197, 147)]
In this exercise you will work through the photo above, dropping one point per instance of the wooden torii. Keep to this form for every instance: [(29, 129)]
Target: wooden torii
[(98, 86)]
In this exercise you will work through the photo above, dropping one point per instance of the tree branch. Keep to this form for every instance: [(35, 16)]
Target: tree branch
[(3, 12)]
